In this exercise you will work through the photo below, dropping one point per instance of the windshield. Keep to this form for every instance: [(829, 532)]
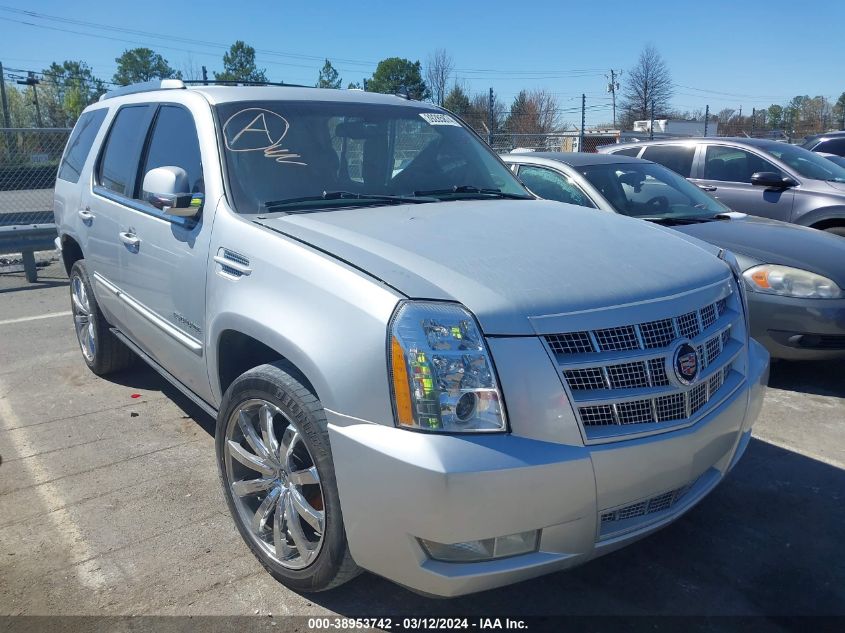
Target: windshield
[(808, 164), (646, 190), (297, 156)]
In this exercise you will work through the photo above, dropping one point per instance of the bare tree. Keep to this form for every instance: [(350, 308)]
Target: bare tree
[(534, 112), (438, 71), (648, 82)]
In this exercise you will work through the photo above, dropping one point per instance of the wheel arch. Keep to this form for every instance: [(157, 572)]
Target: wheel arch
[(71, 252), (823, 217)]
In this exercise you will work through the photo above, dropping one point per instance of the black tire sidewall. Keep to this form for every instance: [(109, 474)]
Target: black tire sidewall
[(836, 230), (272, 383)]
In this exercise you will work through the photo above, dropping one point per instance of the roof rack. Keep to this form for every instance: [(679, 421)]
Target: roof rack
[(145, 86), (228, 82)]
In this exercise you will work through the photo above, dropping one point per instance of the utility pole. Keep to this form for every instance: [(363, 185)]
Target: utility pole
[(6, 118), (365, 84), (583, 122), (490, 99), (204, 76), (706, 118), (612, 87), (651, 123), (753, 117), (32, 80)]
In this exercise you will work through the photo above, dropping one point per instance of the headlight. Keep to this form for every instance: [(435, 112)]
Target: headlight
[(790, 282), (442, 376)]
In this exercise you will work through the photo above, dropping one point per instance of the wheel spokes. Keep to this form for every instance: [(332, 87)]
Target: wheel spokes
[(295, 529), (240, 454), (268, 435), (305, 477), (289, 439), (246, 487), (259, 519), (314, 517), (251, 436), (280, 541)]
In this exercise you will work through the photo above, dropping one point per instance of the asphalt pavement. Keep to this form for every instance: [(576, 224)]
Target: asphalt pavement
[(110, 505)]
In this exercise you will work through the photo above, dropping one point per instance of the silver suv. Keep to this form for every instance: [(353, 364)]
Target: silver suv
[(416, 368)]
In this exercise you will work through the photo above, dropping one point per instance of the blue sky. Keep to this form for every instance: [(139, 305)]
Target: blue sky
[(725, 54)]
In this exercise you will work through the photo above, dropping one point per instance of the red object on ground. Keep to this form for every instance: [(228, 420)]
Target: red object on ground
[(135, 395)]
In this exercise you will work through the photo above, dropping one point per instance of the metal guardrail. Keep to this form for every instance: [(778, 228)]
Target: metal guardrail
[(29, 160)]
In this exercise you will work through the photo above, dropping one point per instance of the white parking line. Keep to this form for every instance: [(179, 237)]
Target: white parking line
[(65, 528), (51, 315)]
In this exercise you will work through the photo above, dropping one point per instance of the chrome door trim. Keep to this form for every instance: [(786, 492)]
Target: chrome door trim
[(173, 332)]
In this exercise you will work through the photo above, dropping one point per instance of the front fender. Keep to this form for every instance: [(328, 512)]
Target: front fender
[(822, 214)]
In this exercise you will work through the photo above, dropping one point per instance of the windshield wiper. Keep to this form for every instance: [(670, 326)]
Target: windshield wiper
[(347, 195), (667, 221), (485, 191)]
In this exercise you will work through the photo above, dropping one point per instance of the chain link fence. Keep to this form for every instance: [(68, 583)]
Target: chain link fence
[(565, 141), (29, 160)]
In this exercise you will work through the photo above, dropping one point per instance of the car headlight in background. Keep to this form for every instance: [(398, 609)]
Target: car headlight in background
[(442, 377), (790, 282)]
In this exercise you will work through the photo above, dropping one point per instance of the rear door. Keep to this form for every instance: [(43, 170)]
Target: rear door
[(113, 180), (726, 174)]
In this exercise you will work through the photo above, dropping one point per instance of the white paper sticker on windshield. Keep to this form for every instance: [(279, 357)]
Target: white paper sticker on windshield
[(435, 118)]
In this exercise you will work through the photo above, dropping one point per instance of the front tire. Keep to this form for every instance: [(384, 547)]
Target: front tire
[(101, 350), (837, 230), (278, 478)]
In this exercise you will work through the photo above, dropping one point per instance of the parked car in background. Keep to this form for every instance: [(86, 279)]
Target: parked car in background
[(795, 275), (829, 142), (417, 368), (761, 177)]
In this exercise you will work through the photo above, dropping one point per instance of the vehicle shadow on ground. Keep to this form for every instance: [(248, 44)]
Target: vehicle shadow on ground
[(822, 378), (766, 541)]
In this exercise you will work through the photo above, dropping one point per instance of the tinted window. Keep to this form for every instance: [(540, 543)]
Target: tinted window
[(629, 151), (551, 185), (119, 162), (731, 164), (806, 163), (80, 143), (833, 146), (678, 158), (175, 143)]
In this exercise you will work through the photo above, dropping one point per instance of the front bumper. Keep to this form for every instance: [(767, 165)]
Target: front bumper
[(798, 329), (398, 486)]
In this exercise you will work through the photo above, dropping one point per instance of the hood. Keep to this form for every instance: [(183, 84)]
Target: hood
[(773, 242), (508, 260)]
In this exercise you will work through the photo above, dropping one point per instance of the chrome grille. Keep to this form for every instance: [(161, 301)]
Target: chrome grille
[(658, 503), (618, 392), (570, 343)]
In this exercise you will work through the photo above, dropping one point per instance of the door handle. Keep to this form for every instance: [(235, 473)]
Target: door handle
[(130, 239), (85, 215), (707, 187)]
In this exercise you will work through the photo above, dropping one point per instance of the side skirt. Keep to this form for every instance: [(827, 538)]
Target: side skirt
[(202, 404)]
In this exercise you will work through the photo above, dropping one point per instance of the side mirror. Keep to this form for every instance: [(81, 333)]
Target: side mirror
[(772, 180), (166, 188)]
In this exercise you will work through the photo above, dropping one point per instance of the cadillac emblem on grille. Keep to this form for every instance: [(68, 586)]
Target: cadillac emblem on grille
[(684, 363)]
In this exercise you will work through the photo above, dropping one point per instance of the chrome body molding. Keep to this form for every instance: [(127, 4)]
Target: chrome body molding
[(173, 332)]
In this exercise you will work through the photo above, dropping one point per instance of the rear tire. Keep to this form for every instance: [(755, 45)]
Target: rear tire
[(101, 350), (278, 478)]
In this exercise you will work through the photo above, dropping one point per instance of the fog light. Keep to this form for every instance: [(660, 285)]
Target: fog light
[(484, 549)]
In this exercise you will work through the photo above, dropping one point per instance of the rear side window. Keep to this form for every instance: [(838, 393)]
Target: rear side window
[(119, 162), (175, 143), (628, 151), (833, 146), (79, 144), (678, 158)]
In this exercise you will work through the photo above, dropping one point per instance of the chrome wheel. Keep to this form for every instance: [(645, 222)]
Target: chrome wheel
[(274, 483), (82, 318)]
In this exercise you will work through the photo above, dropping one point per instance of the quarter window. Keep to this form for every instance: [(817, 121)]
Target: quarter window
[(731, 164), (175, 143), (119, 162), (832, 146), (79, 144), (628, 151), (551, 185), (678, 158)]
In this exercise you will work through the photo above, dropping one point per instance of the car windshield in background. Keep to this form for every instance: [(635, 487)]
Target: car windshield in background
[(298, 156), (808, 164), (646, 190)]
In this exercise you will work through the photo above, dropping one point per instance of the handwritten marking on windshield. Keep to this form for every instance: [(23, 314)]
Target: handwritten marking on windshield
[(259, 130)]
